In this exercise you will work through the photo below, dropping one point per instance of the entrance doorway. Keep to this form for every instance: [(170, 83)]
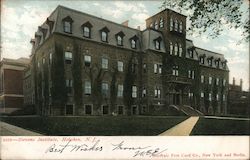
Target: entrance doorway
[(176, 98)]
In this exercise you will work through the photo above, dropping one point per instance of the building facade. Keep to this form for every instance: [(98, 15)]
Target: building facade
[(85, 65), (11, 84), (238, 100)]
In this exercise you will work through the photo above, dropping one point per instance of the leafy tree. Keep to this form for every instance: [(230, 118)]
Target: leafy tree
[(211, 15)]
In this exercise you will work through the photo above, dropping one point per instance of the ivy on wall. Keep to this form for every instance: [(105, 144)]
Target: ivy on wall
[(77, 75), (113, 90), (58, 90)]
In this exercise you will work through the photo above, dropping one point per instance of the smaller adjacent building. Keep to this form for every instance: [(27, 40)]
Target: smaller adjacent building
[(11, 84), (238, 100)]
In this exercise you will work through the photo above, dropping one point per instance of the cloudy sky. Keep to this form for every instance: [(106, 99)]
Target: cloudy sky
[(20, 19)]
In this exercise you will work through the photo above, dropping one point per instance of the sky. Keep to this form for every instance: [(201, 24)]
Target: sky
[(21, 18)]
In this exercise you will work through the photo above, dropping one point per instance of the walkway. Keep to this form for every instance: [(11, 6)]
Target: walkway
[(10, 130), (182, 129)]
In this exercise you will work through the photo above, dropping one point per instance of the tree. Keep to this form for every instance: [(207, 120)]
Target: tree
[(211, 15)]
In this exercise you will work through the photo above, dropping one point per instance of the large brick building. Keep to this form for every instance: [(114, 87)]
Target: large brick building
[(85, 65), (11, 84)]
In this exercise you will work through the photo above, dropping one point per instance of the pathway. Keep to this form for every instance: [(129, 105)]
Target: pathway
[(182, 129), (10, 130)]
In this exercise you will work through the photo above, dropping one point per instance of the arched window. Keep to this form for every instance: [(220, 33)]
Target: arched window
[(180, 27), (176, 25), (180, 50), (161, 23), (171, 48), (156, 25), (176, 49), (67, 27), (171, 24), (86, 31), (104, 36)]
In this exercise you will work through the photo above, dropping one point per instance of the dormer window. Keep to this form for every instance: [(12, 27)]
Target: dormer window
[(119, 38), (158, 43), (104, 34), (223, 64), (180, 27), (156, 25), (171, 24), (202, 60), (176, 25), (191, 53), (133, 41), (87, 29), (67, 24), (161, 23), (209, 61), (50, 24)]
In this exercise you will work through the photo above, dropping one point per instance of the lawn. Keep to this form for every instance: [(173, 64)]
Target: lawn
[(209, 126), (96, 125)]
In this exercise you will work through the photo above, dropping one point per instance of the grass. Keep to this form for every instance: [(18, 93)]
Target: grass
[(209, 126), (96, 125)]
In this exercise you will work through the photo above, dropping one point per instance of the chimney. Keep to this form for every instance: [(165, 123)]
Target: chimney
[(241, 83), (125, 23), (139, 28), (233, 81)]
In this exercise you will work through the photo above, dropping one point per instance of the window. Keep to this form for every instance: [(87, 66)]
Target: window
[(87, 87), (67, 27), (120, 110), (176, 49), (50, 58), (69, 83), (157, 93), (134, 110), (209, 61), (217, 63), (161, 23), (105, 109), (190, 95), (43, 60), (69, 109), (217, 81), (189, 73), (120, 91), (157, 68), (224, 82), (133, 43), (151, 25), (86, 32), (105, 89), (157, 44), (202, 94), (156, 25), (119, 40), (171, 24), (180, 50), (191, 53), (210, 80), (176, 25), (202, 79), (105, 63), (202, 60), (180, 27), (224, 97), (171, 48), (144, 68), (192, 74), (87, 60), (133, 68), (175, 70), (144, 92), (88, 109), (134, 91), (120, 66), (217, 97), (68, 57), (104, 36), (210, 97)]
